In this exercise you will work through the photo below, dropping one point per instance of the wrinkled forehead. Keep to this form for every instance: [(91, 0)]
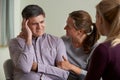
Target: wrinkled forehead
[(37, 18)]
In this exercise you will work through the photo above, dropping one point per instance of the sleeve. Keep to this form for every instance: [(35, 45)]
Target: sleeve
[(82, 74), (98, 63), (61, 50), (54, 71), (21, 54)]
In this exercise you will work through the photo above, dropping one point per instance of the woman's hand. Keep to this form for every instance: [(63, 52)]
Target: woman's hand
[(65, 64)]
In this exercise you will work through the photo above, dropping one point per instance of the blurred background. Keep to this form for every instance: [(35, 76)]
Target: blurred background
[(56, 14)]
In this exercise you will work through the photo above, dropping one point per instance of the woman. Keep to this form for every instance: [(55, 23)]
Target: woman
[(105, 61), (81, 39)]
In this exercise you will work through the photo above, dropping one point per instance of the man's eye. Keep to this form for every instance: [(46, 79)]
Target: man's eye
[(42, 22)]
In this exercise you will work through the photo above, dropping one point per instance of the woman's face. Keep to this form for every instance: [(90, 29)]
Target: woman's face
[(70, 30), (77, 36)]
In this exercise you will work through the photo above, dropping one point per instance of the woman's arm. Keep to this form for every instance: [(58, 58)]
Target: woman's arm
[(66, 65)]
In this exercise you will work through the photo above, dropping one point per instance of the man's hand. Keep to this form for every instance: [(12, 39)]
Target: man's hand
[(26, 32), (34, 67)]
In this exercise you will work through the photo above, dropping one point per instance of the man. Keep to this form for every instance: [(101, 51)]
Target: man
[(34, 53)]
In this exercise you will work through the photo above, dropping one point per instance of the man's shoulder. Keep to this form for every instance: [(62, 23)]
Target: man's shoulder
[(16, 40), (50, 36), (13, 39), (53, 39)]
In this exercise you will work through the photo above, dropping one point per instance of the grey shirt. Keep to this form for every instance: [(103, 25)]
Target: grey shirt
[(46, 50), (78, 57)]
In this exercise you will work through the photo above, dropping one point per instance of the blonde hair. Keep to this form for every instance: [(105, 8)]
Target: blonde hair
[(110, 11)]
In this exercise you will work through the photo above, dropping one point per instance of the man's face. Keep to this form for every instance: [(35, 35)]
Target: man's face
[(37, 25)]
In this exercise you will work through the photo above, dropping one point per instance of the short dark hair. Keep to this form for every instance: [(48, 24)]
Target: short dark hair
[(32, 11)]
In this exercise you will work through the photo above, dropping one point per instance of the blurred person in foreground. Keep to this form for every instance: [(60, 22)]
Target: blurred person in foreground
[(105, 61)]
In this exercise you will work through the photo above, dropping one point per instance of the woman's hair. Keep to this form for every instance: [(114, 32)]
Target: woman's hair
[(83, 21), (110, 11), (32, 11)]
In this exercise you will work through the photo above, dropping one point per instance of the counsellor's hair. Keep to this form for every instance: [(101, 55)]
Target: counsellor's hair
[(32, 11), (83, 21), (110, 11)]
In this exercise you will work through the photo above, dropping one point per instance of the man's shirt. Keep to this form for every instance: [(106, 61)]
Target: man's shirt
[(46, 50)]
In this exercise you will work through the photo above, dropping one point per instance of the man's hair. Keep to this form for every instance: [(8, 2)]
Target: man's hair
[(32, 11)]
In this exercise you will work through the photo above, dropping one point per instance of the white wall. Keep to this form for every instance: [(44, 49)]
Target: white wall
[(56, 15), (58, 10)]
